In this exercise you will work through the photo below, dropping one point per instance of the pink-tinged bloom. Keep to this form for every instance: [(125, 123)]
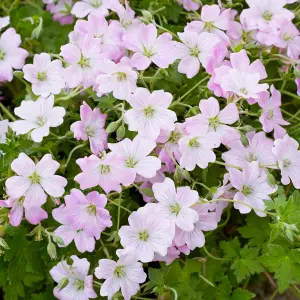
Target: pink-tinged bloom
[(127, 16), (217, 57), (212, 119), (150, 113), (99, 7), (261, 12), (149, 47), (109, 35), (80, 284), (147, 234), (173, 253), (288, 160), (176, 205), (298, 85), (283, 34), (11, 55), (189, 4), (85, 62), (125, 274), (196, 149), (131, 158), (61, 11), (4, 21), (259, 149), (38, 116), (88, 212), (271, 117), (119, 79), (33, 215), (213, 21), (34, 180), (91, 127), (195, 239), (3, 131), (45, 75), (98, 171), (83, 241), (253, 188), (195, 50)]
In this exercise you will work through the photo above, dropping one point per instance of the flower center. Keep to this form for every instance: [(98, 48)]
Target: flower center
[(286, 163), (208, 26), (41, 76), (193, 143), (104, 169), (149, 111), (21, 200), (40, 121), (79, 285), (270, 114), (89, 131), (143, 235), (214, 122), (247, 190), (84, 62), (287, 37), (243, 91), (35, 178), (96, 3), (252, 157), (175, 209), (148, 52), (92, 209), (194, 51), (119, 271), (130, 162), (121, 76), (174, 137), (267, 15), (2, 55)]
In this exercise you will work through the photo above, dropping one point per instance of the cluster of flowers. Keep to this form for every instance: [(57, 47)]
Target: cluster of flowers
[(107, 57)]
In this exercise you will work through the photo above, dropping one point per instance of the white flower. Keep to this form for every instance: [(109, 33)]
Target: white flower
[(37, 116), (176, 206), (150, 113), (147, 233), (3, 131)]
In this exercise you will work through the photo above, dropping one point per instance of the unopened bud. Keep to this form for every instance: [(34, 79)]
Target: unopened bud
[(121, 133), (62, 283), (147, 192), (271, 179), (3, 244), (59, 240), (186, 175), (244, 140), (51, 249), (112, 127)]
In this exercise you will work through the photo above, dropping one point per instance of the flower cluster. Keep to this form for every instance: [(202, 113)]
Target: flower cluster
[(156, 150)]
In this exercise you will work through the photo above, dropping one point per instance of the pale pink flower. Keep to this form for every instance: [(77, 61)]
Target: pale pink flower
[(271, 117), (283, 34), (176, 205), (83, 240), (33, 215), (253, 188), (109, 35), (189, 4), (91, 127), (38, 117), (195, 50), (11, 55), (149, 47), (45, 75), (4, 21), (85, 61), (197, 149), (212, 119), (259, 149), (80, 284), (61, 11), (99, 7), (125, 274), (195, 239), (298, 85), (127, 16), (150, 113), (88, 212), (34, 180), (147, 233), (119, 79), (3, 131), (131, 157), (98, 171), (261, 12), (213, 21), (174, 252), (288, 160)]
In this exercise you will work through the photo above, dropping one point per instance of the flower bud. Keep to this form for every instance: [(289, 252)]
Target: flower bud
[(121, 133), (63, 283), (112, 127), (3, 244), (59, 240), (51, 249), (147, 192)]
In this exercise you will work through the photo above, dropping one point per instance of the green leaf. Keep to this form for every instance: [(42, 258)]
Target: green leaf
[(241, 294), (231, 248)]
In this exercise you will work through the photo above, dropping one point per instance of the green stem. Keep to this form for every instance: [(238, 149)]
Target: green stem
[(71, 153), (173, 290), (118, 220), (289, 114), (291, 95), (7, 112), (152, 83), (202, 184), (272, 80), (214, 257), (206, 280), (166, 30), (117, 204), (227, 165)]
